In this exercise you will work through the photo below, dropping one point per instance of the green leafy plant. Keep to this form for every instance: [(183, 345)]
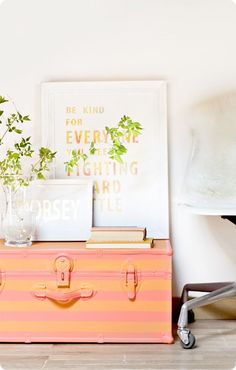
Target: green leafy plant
[(11, 162), (117, 134)]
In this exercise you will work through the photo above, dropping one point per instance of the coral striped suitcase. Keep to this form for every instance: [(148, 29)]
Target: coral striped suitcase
[(63, 292)]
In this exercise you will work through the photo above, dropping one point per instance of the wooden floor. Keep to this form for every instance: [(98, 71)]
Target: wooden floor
[(216, 349)]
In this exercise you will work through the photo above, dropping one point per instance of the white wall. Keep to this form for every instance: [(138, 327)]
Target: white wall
[(189, 43)]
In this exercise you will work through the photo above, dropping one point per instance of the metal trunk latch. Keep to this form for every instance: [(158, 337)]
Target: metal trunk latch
[(63, 267), (131, 281)]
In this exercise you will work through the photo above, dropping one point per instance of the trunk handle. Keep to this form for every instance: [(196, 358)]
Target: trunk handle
[(64, 297)]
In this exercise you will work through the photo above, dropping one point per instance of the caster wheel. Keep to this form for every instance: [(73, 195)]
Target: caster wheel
[(191, 316), (191, 342)]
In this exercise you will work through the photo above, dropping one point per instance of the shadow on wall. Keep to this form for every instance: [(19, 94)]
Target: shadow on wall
[(224, 233)]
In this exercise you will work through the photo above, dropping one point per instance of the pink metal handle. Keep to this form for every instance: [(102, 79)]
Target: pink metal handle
[(64, 297)]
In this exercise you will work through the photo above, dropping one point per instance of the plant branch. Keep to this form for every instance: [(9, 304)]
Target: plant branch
[(11, 166), (118, 134)]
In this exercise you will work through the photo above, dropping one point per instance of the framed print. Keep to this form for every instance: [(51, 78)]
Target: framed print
[(132, 193), (63, 209)]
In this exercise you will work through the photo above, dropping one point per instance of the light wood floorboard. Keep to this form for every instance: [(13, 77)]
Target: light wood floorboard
[(216, 349)]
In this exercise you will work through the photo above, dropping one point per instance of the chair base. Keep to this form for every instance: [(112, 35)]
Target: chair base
[(217, 291)]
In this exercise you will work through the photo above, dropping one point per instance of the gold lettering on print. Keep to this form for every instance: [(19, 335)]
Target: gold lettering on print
[(87, 139), (93, 110), (109, 176), (87, 171), (134, 168), (102, 151), (97, 137), (108, 204), (68, 137), (106, 168), (99, 151), (78, 136), (68, 154), (135, 139), (116, 186), (105, 186), (74, 121), (87, 136), (71, 110), (124, 168), (131, 139)]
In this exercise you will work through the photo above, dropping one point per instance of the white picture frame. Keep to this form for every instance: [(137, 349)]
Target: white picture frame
[(62, 209), (72, 113)]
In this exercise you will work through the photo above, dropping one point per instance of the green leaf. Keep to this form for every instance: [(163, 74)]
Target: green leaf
[(20, 116), (26, 118), (3, 100), (92, 151), (40, 176), (84, 157)]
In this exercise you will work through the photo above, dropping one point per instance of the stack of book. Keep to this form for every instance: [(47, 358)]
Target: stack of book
[(118, 237)]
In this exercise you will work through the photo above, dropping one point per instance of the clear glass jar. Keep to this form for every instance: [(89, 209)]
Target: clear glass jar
[(18, 220)]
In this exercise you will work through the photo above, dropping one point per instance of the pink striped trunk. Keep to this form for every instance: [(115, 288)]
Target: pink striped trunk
[(63, 292)]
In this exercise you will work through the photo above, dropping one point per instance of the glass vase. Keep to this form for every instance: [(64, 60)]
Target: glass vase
[(18, 220)]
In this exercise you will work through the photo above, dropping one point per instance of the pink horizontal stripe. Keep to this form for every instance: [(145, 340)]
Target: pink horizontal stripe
[(98, 275), (139, 254), (42, 253), (151, 295), (90, 255), (86, 316), (142, 337)]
